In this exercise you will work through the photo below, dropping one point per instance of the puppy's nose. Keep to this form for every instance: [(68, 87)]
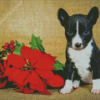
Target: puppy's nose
[(78, 45)]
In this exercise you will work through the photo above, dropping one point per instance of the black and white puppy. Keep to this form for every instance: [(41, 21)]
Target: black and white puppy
[(82, 53)]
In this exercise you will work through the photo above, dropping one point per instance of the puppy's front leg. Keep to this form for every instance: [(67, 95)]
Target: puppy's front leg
[(68, 75), (96, 82), (96, 76), (76, 79), (96, 86)]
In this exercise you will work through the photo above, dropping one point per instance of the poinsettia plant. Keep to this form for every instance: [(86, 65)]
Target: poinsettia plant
[(29, 68), (36, 43)]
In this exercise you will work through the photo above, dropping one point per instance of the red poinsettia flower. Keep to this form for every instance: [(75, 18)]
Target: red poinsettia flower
[(3, 81), (32, 71)]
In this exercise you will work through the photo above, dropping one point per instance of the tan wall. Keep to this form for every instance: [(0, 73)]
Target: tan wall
[(20, 19)]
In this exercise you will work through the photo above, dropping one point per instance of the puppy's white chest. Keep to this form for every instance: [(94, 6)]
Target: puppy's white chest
[(82, 60)]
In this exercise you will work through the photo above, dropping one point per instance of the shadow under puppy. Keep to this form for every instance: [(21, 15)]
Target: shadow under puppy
[(82, 53)]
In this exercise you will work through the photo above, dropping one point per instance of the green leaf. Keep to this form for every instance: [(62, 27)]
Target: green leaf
[(18, 48), (36, 43), (5, 52), (19, 44), (0, 56), (2, 46), (58, 65)]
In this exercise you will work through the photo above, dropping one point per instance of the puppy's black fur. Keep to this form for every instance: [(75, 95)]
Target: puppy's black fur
[(86, 23)]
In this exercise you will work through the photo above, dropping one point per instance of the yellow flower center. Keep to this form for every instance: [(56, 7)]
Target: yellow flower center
[(27, 66)]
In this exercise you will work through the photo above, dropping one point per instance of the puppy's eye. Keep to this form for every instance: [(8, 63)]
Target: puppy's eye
[(69, 33), (86, 33)]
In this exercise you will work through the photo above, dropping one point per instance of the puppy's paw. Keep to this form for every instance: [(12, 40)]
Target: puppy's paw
[(95, 91), (96, 87), (76, 84), (67, 88)]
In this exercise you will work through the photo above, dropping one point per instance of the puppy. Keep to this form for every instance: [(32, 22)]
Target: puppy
[(82, 53)]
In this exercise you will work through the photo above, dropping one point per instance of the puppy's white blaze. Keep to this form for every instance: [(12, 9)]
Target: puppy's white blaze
[(77, 27), (77, 38)]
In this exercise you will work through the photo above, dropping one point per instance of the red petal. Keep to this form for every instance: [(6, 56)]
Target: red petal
[(28, 91), (18, 75), (35, 82), (44, 74), (20, 87), (42, 65), (5, 63), (45, 92), (45, 89), (16, 60), (1, 75), (25, 52), (50, 58), (44, 83), (3, 84), (36, 87), (1, 68), (35, 55), (46, 62), (56, 81), (10, 79), (8, 71)]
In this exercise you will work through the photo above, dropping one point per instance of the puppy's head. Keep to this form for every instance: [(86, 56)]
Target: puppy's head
[(78, 28)]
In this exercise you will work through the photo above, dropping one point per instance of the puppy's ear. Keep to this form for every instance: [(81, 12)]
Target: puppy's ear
[(62, 16), (93, 15)]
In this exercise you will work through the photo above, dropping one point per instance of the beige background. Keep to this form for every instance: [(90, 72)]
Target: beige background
[(19, 19)]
